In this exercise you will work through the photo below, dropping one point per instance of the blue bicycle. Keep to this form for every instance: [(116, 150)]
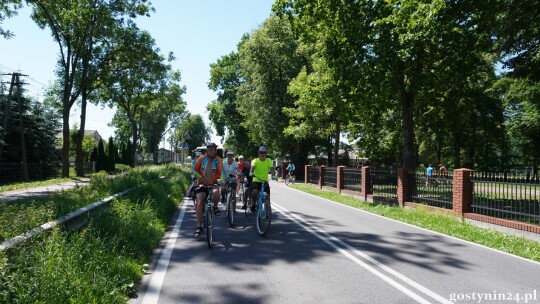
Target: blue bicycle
[(264, 211)]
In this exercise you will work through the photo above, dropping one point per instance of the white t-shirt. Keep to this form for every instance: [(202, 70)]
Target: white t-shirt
[(228, 170)]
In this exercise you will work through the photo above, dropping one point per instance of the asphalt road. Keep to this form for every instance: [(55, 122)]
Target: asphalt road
[(318, 251)]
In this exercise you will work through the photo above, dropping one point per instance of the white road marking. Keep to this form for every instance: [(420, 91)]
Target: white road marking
[(348, 251), (151, 295)]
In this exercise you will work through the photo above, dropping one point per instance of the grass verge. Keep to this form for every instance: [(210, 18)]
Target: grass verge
[(438, 222), (104, 261)]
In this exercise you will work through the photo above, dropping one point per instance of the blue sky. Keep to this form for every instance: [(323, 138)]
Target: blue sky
[(197, 32)]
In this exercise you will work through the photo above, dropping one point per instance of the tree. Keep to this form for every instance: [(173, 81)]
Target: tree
[(76, 27), (269, 61), (193, 131), (166, 109), (101, 162), (8, 8), (133, 83), (111, 155)]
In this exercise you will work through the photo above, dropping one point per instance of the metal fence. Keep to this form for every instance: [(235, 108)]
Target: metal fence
[(436, 191), (313, 173), (507, 195), (352, 179), (330, 177), (384, 181)]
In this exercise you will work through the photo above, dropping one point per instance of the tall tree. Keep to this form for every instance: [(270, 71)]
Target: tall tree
[(134, 82), (76, 27), (269, 61)]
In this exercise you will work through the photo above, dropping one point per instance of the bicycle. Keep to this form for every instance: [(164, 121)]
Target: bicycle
[(264, 211), (208, 222), (290, 179), (230, 203)]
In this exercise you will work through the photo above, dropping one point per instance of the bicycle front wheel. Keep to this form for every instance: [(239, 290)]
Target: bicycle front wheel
[(287, 180), (264, 218), (230, 209), (208, 223)]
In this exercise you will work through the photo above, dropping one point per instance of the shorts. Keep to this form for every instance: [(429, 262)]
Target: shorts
[(257, 185)]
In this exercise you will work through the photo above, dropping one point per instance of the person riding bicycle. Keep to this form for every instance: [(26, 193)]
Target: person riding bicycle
[(208, 169), (248, 181), (259, 171), (291, 168), (429, 174), (240, 169), (193, 178), (229, 174)]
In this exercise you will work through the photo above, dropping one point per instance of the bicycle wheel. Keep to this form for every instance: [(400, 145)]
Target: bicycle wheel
[(287, 180), (264, 218), (230, 209), (293, 179), (208, 222)]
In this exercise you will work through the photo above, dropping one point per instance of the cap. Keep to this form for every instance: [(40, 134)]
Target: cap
[(230, 152)]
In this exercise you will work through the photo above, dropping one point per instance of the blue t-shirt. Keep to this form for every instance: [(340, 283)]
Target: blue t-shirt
[(290, 167), (429, 171)]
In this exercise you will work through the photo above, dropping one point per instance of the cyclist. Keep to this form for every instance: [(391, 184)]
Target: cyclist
[(229, 174), (249, 181), (291, 168), (208, 169), (240, 169), (193, 178), (259, 171)]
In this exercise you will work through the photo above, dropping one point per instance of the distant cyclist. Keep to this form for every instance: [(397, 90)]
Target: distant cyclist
[(291, 168), (259, 170), (208, 168)]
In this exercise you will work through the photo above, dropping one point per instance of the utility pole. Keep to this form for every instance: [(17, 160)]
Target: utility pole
[(6, 113)]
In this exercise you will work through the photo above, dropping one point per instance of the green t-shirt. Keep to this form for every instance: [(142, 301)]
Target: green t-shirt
[(261, 169)]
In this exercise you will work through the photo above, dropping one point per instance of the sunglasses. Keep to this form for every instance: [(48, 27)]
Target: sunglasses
[(263, 153)]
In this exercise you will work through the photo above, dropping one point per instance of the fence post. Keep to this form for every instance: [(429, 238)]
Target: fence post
[(306, 177), (366, 182), (462, 189), (403, 186), (339, 178), (322, 169)]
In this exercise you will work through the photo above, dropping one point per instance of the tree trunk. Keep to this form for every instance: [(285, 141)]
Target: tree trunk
[(65, 141), (406, 99), (79, 158), (336, 144)]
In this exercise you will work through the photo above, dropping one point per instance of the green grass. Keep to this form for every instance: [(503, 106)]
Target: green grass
[(103, 262), (438, 222)]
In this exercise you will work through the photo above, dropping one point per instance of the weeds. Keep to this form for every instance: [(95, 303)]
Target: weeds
[(103, 262)]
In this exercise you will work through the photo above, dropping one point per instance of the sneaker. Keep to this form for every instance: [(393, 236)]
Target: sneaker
[(244, 207)]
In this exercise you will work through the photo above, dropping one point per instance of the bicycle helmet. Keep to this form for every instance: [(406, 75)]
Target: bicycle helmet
[(262, 149), (211, 144)]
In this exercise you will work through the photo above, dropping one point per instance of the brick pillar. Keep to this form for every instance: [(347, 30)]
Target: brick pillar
[(462, 191), (339, 178), (366, 182), (322, 169), (306, 175), (403, 186)]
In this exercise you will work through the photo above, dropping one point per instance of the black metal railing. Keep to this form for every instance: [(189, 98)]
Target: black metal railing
[(384, 181), (352, 179), (507, 195), (330, 177), (434, 191), (313, 173)]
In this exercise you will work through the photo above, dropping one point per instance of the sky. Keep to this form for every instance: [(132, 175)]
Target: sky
[(197, 32)]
